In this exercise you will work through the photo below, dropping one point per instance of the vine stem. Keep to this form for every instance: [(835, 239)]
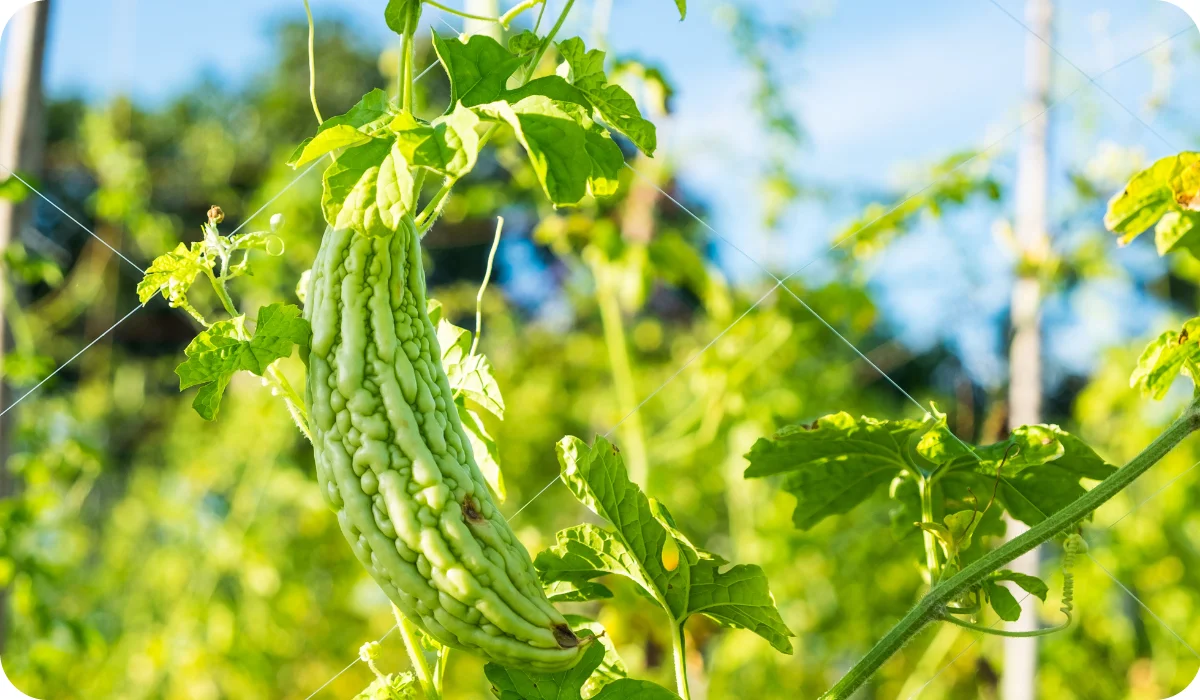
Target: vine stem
[(932, 606), (412, 643), (537, 58), (312, 64), (613, 325), (931, 557), (681, 679), (487, 277)]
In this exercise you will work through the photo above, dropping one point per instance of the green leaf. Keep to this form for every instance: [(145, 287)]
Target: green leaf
[(1044, 476), (513, 684), (1176, 230), (682, 7), (449, 146), (172, 274), (582, 591), (398, 12), (524, 43), (635, 546), (470, 375), (616, 107), (1148, 197), (394, 686), (1165, 358), (225, 348), (556, 137), (366, 118), (1030, 584), (13, 190), (834, 464), (961, 526), (280, 326), (611, 668), (1003, 601), (478, 69), (368, 188)]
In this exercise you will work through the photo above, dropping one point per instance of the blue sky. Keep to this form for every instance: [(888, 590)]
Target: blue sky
[(880, 87)]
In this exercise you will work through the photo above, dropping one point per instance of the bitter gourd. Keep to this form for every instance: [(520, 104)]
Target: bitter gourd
[(394, 463)]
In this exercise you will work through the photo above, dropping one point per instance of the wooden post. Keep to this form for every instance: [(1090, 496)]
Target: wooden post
[(21, 142), (1025, 355)]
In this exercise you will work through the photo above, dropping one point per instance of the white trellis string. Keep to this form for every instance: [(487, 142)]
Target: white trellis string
[(351, 665), (73, 358), (781, 282), (1082, 72), (51, 202), (248, 219)]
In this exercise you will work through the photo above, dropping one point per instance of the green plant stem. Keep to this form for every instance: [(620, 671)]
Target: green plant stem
[(925, 487), (487, 277), (291, 399), (312, 64), (931, 607), (537, 58), (433, 210), (618, 356), (681, 679), (417, 655), (995, 631), (409, 58)]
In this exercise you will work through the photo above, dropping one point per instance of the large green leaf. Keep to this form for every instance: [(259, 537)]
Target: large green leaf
[(834, 464), (513, 684), (585, 70), (365, 119), (172, 274), (838, 462), (369, 188), (1165, 358), (478, 69), (448, 146), (226, 348), (642, 529), (555, 135), (1148, 197)]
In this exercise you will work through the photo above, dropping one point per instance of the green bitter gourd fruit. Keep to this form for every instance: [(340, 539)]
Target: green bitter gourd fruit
[(394, 463)]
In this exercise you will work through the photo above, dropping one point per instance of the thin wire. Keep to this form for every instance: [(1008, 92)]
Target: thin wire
[(1145, 607), (277, 195), (1154, 495), (73, 358), (62, 211), (350, 666), (1082, 72)]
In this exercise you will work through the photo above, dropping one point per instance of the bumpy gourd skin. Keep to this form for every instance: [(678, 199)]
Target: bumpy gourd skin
[(394, 463)]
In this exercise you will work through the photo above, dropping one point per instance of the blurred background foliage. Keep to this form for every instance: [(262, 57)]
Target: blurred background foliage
[(149, 554)]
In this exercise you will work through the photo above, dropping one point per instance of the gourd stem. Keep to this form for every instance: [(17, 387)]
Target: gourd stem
[(681, 679), (931, 607), (416, 654), (312, 64)]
